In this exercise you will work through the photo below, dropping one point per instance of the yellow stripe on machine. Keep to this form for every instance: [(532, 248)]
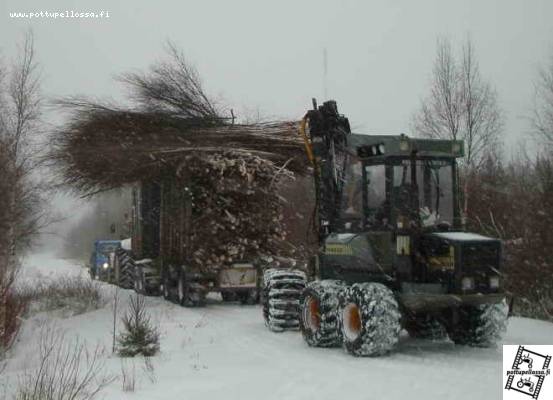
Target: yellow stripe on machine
[(338, 249)]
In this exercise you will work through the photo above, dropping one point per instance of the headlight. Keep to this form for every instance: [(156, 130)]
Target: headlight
[(467, 283), (494, 282), (456, 148), (105, 265)]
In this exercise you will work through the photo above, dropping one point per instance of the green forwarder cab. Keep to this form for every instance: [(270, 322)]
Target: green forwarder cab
[(400, 225)]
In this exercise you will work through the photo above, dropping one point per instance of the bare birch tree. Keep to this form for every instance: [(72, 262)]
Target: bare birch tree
[(542, 119), (482, 121), (21, 211), (461, 106)]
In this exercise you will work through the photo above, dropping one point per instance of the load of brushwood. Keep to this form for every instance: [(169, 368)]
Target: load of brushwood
[(233, 171)]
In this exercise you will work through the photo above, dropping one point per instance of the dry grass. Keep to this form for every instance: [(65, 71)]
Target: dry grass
[(64, 370), (128, 376), (72, 296)]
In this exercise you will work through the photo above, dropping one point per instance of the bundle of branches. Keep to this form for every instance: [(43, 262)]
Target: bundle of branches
[(236, 210), (177, 135), (104, 147)]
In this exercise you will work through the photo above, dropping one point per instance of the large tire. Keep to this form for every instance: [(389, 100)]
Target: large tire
[(189, 294), (139, 280), (480, 326), (370, 319), (228, 297), (425, 326), (182, 290), (281, 293), (320, 316), (249, 298), (126, 269), (165, 287)]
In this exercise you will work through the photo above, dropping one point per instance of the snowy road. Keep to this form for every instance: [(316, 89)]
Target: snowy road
[(224, 351)]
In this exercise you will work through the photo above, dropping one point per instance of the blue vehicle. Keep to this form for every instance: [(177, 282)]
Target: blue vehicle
[(101, 264)]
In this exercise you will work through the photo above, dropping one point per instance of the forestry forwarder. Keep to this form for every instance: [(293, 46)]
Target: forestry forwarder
[(392, 252)]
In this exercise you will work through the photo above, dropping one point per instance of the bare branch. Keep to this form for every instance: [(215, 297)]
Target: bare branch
[(542, 118), (461, 105)]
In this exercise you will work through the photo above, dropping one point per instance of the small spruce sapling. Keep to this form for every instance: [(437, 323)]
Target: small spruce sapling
[(140, 337)]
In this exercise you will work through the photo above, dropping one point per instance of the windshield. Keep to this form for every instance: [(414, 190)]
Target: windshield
[(425, 194), (107, 247), (352, 205), (377, 207)]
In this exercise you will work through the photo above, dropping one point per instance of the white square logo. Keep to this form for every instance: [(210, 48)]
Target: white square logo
[(527, 373)]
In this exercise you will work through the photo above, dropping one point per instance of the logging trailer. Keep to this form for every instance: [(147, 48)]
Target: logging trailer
[(158, 261)]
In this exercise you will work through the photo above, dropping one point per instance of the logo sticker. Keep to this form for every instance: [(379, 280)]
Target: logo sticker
[(526, 372)]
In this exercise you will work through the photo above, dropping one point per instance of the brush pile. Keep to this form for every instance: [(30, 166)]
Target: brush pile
[(232, 171), (103, 148), (236, 209)]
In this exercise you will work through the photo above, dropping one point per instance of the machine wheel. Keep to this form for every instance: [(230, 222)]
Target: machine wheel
[(319, 316), (228, 297), (182, 290), (425, 327), (250, 297), (188, 293), (370, 319), (480, 326), (164, 287), (281, 293), (139, 280), (126, 269)]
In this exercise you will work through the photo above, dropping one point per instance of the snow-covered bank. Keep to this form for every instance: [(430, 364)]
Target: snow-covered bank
[(224, 351)]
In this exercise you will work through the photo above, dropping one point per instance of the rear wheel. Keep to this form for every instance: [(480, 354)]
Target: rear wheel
[(181, 290), (480, 326), (126, 269), (250, 297), (319, 316), (189, 294), (425, 327), (138, 281), (164, 287), (370, 319), (228, 296), (281, 293)]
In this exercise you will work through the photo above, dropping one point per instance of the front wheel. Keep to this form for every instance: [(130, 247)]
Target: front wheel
[(126, 269), (370, 319), (164, 288), (139, 281), (480, 326), (319, 313), (425, 326)]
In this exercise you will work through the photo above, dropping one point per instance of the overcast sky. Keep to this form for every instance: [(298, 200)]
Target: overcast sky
[(268, 56)]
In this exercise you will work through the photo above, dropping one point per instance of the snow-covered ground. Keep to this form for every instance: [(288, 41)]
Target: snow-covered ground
[(224, 351)]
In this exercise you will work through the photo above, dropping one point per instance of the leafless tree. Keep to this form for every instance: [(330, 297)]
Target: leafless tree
[(482, 120), (172, 86), (461, 106), (542, 120), (21, 211), (441, 113)]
